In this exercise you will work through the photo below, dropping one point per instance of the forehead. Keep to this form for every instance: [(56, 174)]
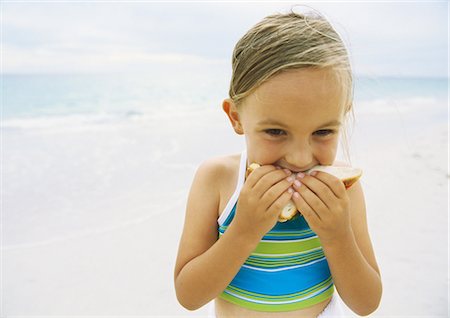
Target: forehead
[(310, 94)]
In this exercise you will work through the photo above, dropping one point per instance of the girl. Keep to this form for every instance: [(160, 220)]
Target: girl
[(290, 92)]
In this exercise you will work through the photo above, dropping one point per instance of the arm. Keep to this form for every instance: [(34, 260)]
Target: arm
[(338, 216), (352, 261), (205, 266)]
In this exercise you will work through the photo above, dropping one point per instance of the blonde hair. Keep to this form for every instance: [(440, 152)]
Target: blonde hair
[(289, 41)]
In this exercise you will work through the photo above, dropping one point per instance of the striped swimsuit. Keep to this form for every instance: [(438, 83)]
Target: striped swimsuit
[(287, 270)]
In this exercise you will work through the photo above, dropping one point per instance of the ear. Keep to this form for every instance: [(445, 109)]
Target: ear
[(229, 107)]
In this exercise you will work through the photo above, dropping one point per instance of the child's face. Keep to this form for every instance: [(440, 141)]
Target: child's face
[(293, 120)]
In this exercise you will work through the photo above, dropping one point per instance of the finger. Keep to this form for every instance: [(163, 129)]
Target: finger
[(269, 180), (334, 183), (303, 207), (277, 206), (274, 192), (312, 199), (256, 174), (319, 188)]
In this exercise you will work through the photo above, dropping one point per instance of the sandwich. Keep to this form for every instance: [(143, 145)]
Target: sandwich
[(348, 175)]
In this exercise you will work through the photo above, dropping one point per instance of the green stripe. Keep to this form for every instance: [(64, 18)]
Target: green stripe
[(288, 256), (301, 294), (278, 262), (299, 234), (268, 247), (280, 307), (285, 247)]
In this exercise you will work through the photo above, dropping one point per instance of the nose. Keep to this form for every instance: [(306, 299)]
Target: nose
[(300, 156)]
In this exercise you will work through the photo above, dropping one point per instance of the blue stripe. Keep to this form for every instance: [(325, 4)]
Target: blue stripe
[(282, 262), (293, 229), (283, 282)]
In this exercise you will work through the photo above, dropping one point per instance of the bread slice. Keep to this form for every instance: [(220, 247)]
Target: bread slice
[(251, 168), (289, 211), (348, 175)]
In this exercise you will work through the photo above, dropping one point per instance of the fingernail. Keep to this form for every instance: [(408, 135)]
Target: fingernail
[(313, 173), (296, 195), (290, 190), (288, 172), (300, 175), (297, 183), (290, 179)]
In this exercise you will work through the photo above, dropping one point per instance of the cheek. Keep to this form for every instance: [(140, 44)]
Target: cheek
[(262, 151), (325, 151)]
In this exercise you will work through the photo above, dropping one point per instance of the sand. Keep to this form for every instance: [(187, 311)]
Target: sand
[(93, 209)]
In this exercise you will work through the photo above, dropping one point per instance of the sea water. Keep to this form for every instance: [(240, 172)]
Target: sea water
[(40, 96)]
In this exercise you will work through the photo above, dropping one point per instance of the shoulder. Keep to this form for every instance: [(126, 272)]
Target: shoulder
[(204, 197), (215, 169), (213, 175)]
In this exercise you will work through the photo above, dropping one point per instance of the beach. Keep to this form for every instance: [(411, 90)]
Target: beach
[(108, 108), (93, 205)]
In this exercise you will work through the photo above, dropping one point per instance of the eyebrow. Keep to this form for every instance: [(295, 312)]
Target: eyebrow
[(332, 123), (271, 122), (277, 123)]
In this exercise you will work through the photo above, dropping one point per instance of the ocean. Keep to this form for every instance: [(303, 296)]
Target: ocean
[(36, 97)]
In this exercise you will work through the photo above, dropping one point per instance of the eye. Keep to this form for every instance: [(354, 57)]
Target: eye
[(323, 132), (275, 132)]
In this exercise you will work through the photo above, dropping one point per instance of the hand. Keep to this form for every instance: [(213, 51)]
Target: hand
[(322, 199), (264, 194)]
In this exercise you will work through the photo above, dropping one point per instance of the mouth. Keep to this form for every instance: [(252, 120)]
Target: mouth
[(296, 170)]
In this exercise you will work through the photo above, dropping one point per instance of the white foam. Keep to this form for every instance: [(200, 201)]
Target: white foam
[(72, 122), (101, 121), (384, 106)]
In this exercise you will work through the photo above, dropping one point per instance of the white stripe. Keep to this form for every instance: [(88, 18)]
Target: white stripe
[(284, 268), (278, 302), (290, 241), (241, 179), (288, 254)]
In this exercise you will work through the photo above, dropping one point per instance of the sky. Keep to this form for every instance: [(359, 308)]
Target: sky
[(384, 38)]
